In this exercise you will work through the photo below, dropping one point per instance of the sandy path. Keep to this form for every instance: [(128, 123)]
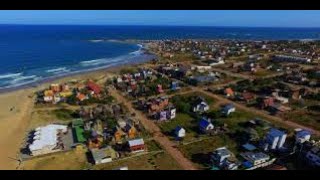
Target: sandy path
[(13, 125), (150, 126)]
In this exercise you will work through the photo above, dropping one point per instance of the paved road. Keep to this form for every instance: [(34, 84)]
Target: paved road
[(150, 126)]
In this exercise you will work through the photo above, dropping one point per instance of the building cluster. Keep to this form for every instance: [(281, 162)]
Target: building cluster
[(144, 82), (158, 108), (63, 92)]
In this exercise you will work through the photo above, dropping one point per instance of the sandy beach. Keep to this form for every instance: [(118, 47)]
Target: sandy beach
[(15, 115)]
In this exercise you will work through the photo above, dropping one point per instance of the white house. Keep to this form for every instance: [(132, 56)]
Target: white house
[(302, 135), (201, 107), (221, 157), (228, 109), (180, 132), (255, 158), (48, 98)]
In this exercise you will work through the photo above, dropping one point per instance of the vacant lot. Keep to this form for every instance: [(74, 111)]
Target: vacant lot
[(157, 161), (59, 161)]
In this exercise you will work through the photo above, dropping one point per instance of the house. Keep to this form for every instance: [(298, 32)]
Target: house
[(81, 97), (130, 130), (205, 125), (254, 159), (65, 93), (136, 145), (228, 109), (229, 92), (104, 155), (48, 96), (175, 86), (275, 139), (159, 88), (55, 88), (200, 105), (171, 112), (47, 139), (56, 98), (93, 87), (302, 135), (179, 132), (248, 97), (155, 105), (313, 156), (224, 159), (266, 102), (220, 155), (65, 87), (96, 141), (119, 134)]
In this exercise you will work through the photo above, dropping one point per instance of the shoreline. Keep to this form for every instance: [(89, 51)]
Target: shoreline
[(140, 59), (16, 123)]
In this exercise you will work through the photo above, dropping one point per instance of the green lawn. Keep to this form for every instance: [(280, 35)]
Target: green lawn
[(183, 120), (304, 117)]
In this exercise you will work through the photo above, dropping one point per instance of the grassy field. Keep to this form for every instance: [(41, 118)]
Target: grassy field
[(184, 120), (44, 117), (157, 161), (304, 117), (199, 152), (59, 161)]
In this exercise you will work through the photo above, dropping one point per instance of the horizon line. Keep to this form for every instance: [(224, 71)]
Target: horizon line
[(165, 25)]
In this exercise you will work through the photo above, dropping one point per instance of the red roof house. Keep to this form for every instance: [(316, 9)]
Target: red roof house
[(94, 87)]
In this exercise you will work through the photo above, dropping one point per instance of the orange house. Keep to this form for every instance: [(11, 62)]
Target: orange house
[(118, 135), (132, 132)]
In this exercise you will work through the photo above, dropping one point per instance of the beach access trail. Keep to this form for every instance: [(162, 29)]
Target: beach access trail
[(15, 110), (150, 126)]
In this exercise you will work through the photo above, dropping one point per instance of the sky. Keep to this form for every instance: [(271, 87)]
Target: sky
[(246, 18)]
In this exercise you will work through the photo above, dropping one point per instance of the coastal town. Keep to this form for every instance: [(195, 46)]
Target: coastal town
[(199, 105)]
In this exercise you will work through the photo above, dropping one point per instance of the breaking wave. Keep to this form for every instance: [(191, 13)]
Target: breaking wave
[(57, 70), (10, 76)]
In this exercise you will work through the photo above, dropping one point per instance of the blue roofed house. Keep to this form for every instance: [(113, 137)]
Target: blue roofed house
[(302, 135), (179, 132), (205, 125), (175, 86), (228, 109), (275, 139)]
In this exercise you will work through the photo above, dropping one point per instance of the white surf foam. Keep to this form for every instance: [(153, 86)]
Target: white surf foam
[(23, 78), (102, 61), (61, 69), (10, 76)]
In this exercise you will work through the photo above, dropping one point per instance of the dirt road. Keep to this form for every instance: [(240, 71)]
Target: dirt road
[(150, 126)]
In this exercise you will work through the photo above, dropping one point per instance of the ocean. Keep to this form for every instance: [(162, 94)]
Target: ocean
[(32, 53)]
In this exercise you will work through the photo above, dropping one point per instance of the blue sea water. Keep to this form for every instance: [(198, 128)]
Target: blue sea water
[(30, 53)]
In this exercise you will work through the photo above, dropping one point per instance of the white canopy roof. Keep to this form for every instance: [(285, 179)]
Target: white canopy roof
[(46, 136)]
